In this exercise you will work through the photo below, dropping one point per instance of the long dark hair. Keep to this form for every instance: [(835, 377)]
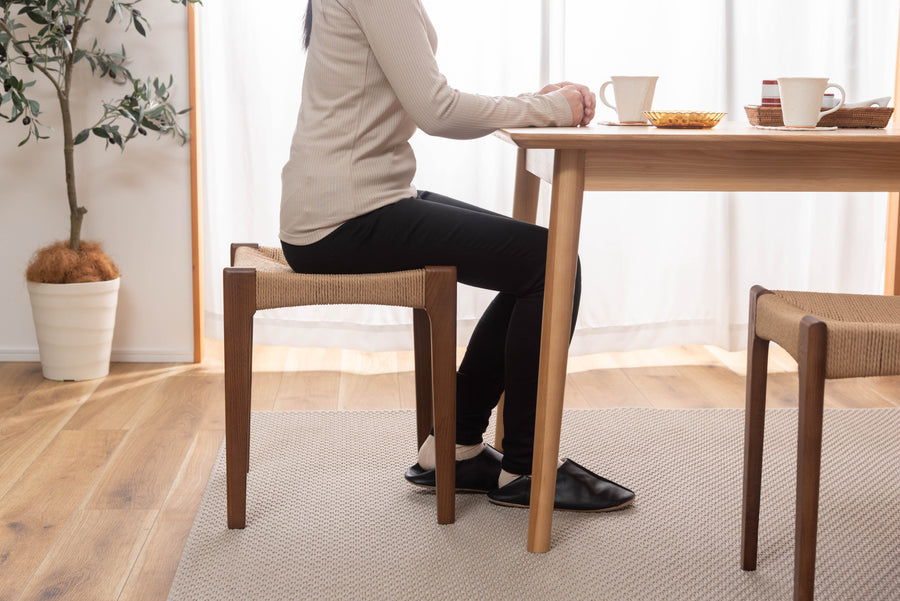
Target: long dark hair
[(307, 25)]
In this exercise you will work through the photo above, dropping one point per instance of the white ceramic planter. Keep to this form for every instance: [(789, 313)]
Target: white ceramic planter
[(74, 325)]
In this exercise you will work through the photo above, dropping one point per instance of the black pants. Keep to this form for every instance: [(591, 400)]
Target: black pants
[(489, 251)]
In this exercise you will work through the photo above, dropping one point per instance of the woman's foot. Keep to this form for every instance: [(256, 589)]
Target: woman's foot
[(577, 489), (478, 474)]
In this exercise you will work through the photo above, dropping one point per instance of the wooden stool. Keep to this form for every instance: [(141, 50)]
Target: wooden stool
[(260, 278), (830, 336)]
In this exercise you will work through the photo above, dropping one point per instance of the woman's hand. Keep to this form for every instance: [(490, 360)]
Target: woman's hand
[(581, 100)]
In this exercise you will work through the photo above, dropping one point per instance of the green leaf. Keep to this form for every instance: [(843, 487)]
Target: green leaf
[(100, 132), (82, 136), (140, 28), (37, 17), (112, 13)]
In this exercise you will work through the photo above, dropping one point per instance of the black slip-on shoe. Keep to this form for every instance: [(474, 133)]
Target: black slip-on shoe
[(478, 474), (577, 489)]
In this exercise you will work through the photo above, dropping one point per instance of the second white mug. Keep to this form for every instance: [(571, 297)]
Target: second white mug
[(633, 95), (801, 100)]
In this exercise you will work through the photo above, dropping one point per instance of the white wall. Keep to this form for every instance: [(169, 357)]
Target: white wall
[(138, 202)]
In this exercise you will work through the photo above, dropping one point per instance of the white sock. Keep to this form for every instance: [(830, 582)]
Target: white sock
[(463, 451), (507, 477)]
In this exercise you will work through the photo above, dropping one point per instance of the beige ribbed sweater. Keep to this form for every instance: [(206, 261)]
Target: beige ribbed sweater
[(371, 78)]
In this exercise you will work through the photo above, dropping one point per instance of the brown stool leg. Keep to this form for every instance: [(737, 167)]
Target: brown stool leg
[(813, 338), (754, 424), (422, 354), (239, 306), (440, 304), (234, 247)]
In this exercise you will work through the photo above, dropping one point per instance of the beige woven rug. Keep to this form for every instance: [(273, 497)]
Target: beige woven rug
[(331, 518)]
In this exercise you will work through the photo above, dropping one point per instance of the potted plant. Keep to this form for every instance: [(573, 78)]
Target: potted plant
[(73, 284)]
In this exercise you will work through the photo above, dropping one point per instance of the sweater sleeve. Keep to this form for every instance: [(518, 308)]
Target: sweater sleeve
[(397, 34)]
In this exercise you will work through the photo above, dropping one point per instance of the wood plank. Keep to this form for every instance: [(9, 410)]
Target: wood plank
[(888, 387), (268, 369), (368, 381), (141, 472), (27, 428), (37, 508), (782, 390), (736, 361), (309, 391), (213, 355), (92, 556), (211, 387), (645, 362), (667, 390), (719, 386), (19, 378), (120, 396), (661, 384), (573, 398), (607, 388), (406, 379), (853, 393), (181, 403), (368, 392), (311, 380), (154, 570)]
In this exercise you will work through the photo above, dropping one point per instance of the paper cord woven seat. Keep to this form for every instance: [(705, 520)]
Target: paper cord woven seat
[(831, 336), (260, 278)]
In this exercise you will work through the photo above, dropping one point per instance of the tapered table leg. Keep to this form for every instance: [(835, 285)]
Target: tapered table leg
[(562, 256)]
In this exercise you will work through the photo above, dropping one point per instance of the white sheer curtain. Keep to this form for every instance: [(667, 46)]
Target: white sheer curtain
[(658, 269)]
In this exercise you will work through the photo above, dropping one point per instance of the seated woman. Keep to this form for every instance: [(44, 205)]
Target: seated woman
[(349, 206)]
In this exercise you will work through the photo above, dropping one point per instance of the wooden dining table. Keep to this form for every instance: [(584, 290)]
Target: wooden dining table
[(729, 157)]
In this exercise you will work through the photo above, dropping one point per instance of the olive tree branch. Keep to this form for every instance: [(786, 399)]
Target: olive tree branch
[(21, 48)]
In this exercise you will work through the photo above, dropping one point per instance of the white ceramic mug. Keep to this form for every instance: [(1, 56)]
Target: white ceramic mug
[(801, 100), (633, 94)]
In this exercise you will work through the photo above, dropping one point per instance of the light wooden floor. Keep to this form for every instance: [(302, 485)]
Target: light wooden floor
[(100, 480)]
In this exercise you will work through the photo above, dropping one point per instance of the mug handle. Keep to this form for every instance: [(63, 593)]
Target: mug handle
[(840, 104), (602, 95)]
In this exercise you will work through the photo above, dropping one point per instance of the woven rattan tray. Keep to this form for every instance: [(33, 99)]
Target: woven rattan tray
[(873, 116)]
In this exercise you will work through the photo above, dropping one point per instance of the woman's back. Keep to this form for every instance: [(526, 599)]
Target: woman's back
[(371, 78)]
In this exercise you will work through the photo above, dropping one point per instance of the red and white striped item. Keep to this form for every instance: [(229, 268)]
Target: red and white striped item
[(771, 96)]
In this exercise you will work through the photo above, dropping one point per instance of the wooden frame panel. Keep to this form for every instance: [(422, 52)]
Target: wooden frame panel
[(196, 180)]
